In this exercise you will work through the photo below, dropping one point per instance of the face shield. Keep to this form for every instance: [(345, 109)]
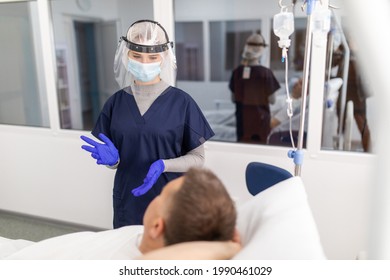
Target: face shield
[(254, 47), (145, 37)]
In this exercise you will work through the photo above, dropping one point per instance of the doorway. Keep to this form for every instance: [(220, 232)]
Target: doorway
[(88, 75)]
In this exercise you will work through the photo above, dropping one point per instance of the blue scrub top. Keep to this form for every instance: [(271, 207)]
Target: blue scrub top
[(170, 128)]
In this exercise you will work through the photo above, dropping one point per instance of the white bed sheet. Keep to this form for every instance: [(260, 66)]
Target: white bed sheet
[(11, 246), (275, 224), (118, 244), (223, 123)]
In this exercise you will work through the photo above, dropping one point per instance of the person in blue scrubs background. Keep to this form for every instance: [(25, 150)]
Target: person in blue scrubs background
[(149, 131)]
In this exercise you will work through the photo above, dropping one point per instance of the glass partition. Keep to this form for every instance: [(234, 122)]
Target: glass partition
[(22, 96), (226, 29), (208, 45), (223, 53), (227, 41), (85, 38), (189, 51)]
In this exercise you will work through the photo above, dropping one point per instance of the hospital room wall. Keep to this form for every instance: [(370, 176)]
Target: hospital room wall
[(46, 174)]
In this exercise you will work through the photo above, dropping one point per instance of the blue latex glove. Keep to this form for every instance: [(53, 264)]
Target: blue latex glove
[(155, 170), (105, 153)]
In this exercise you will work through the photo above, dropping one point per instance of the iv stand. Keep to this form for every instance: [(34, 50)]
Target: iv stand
[(298, 154)]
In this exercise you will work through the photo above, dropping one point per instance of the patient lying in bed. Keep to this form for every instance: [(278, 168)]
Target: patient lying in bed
[(275, 224), (194, 207)]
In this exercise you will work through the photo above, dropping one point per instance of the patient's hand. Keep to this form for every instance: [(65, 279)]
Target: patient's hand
[(196, 250)]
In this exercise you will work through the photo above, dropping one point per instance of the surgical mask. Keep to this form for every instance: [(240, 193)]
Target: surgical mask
[(252, 52), (144, 72)]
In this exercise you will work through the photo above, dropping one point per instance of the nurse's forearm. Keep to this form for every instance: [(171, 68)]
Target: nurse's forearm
[(194, 158)]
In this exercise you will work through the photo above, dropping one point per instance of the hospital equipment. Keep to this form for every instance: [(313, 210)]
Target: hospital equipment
[(321, 26), (318, 24), (338, 33), (347, 135), (297, 155), (283, 27), (277, 224), (260, 176), (330, 118)]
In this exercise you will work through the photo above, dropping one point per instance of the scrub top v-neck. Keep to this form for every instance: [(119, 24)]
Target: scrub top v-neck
[(171, 127)]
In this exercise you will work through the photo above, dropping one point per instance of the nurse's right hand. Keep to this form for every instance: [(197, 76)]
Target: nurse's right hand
[(105, 153)]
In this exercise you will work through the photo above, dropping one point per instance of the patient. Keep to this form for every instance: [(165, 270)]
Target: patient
[(194, 207), (193, 218)]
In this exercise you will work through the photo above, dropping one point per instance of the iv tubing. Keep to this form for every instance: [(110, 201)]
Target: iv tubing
[(289, 100)]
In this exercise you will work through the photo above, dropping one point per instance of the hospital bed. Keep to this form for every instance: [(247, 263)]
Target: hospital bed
[(276, 224), (222, 120)]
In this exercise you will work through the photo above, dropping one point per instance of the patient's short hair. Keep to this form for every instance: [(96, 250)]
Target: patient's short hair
[(200, 210)]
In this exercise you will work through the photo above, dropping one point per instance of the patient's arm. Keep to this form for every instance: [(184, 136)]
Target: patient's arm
[(196, 250)]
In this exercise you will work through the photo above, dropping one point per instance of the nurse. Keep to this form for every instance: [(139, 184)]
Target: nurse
[(150, 131)]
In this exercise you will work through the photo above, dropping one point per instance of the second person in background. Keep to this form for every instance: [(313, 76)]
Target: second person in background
[(253, 86)]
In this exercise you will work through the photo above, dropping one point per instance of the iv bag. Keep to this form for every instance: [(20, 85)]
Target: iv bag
[(321, 26), (283, 28)]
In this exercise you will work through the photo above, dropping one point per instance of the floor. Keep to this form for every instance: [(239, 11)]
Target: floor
[(15, 226)]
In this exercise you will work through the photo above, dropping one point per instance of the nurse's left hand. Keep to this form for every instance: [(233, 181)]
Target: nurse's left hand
[(155, 170)]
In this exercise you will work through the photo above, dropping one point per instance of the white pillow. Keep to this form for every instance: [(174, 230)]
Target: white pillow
[(277, 224)]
